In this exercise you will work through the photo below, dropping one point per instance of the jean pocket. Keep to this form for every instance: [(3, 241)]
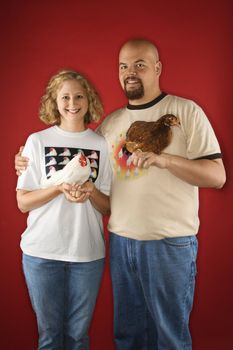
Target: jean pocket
[(180, 242)]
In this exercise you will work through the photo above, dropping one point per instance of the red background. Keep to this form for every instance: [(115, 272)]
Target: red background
[(196, 45)]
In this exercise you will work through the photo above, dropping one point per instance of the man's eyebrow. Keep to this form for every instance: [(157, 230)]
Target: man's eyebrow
[(139, 60)]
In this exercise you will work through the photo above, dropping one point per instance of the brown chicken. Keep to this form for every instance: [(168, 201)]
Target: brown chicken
[(151, 136)]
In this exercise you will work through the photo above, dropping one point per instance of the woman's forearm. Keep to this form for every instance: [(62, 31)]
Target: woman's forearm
[(28, 200)]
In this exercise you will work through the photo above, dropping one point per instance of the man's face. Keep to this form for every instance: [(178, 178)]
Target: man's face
[(138, 72), (133, 88)]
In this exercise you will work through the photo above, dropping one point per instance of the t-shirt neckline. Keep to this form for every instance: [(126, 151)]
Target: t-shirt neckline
[(148, 104)]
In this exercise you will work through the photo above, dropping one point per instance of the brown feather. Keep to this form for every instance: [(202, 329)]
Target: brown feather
[(151, 136)]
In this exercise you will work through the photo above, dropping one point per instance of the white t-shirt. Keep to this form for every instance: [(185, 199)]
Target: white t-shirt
[(61, 230), (152, 203)]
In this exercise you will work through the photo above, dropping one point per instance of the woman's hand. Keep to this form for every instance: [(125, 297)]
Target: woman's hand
[(77, 193), (81, 193)]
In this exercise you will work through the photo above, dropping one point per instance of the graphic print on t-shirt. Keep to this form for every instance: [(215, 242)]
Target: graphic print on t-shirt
[(122, 160), (57, 157)]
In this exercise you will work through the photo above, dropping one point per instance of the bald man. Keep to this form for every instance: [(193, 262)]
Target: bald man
[(154, 207)]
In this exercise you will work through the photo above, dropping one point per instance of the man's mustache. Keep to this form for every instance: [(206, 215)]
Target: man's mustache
[(132, 78)]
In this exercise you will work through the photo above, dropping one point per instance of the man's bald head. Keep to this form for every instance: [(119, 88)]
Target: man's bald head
[(142, 44)]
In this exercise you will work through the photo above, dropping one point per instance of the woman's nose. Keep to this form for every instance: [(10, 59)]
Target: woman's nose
[(73, 101)]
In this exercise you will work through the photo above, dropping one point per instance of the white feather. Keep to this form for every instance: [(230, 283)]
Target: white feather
[(73, 172)]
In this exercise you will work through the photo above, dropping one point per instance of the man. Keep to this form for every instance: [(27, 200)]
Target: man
[(154, 208)]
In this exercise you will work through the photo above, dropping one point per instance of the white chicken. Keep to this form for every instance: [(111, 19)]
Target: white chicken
[(76, 171)]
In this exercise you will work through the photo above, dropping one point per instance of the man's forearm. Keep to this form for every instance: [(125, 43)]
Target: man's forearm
[(100, 201), (201, 172)]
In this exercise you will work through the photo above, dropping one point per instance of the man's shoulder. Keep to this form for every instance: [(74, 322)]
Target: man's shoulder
[(114, 115), (110, 120), (180, 100)]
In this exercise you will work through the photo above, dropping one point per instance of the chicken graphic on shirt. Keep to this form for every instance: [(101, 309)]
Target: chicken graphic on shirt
[(52, 170), (78, 171), (51, 161), (66, 152), (52, 152), (64, 161)]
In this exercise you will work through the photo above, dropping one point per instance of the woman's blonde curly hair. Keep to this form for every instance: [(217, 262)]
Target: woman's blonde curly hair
[(49, 113)]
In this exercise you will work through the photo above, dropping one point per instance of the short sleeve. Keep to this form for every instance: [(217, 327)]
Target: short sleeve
[(200, 136), (30, 178)]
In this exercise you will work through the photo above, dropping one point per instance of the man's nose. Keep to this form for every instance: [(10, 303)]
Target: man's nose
[(132, 70)]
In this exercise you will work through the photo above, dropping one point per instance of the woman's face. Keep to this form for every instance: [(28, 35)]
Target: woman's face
[(72, 103)]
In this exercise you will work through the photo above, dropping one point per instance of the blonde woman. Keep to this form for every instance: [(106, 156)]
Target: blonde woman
[(63, 244)]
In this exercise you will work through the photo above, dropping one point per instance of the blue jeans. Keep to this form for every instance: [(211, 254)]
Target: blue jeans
[(153, 288), (63, 296)]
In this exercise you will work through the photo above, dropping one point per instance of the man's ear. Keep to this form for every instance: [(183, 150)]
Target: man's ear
[(158, 68)]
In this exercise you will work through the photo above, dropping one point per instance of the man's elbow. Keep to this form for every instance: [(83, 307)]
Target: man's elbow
[(220, 174), (220, 184), (220, 180)]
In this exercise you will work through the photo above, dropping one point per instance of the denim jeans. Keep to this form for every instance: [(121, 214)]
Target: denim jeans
[(153, 288), (63, 296)]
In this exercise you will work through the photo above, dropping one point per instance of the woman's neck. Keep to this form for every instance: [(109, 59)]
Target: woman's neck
[(73, 127)]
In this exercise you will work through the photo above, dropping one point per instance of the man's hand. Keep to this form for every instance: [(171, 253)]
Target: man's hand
[(146, 159), (21, 163)]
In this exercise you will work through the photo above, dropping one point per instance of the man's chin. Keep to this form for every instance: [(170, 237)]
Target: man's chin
[(134, 94)]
